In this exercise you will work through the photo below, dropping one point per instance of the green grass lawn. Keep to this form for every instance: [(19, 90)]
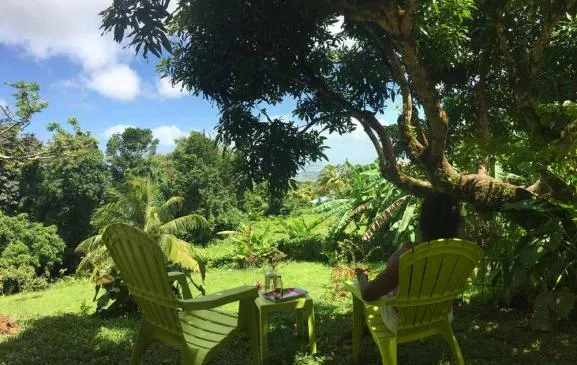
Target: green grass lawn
[(57, 331)]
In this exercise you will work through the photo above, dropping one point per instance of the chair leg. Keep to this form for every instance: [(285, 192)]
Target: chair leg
[(447, 333), (144, 338), (312, 329), (193, 356), (388, 351), (358, 321)]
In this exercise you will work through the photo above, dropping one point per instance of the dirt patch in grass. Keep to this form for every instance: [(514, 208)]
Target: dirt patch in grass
[(8, 326)]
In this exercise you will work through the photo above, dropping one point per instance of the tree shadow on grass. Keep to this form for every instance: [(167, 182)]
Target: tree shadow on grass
[(487, 336), (82, 339)]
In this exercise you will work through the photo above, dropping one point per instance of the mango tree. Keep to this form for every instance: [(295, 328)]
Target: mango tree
[(487, 88)]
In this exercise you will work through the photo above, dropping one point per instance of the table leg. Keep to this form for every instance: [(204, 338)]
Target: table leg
[(312, 328), (300, 322), (263, 329)]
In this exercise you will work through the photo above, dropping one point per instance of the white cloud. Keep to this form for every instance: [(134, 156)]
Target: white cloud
[(166, 90), (46, 28), (70, 28), (118, 82), (356, 147), (119, 128), (167, 134)]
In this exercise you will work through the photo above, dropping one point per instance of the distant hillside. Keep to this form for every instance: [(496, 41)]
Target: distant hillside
[(310, 172), (307, 175)]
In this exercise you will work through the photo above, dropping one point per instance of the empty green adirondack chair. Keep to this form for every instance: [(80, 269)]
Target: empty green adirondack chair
[(431, 276), (190, 325)]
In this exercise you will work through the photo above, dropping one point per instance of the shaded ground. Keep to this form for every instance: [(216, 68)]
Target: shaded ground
[(487, 336)]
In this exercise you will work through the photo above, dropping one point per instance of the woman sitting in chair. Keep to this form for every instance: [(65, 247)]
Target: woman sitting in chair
[(439, 218)]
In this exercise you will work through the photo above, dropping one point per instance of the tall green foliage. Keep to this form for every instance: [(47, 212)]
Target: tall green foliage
[(64, 192), (205, 175), (29, 253), (129, 153)]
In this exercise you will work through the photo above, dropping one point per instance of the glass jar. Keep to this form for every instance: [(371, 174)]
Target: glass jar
[(270, 281)]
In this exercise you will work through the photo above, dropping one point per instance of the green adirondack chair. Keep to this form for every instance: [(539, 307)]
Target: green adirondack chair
[(193, 326), (431, 276)]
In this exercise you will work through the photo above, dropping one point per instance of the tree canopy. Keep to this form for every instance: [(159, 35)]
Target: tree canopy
[(19, 147), (129, 153), (487, 88)]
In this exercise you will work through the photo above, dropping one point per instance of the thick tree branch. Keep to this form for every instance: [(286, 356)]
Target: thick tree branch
[(377, 133), (435, 115), (398, 25), (415, 148), (536, 188)]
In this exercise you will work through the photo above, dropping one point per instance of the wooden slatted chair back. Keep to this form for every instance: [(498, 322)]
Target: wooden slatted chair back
[(431, 276), (143, 269)]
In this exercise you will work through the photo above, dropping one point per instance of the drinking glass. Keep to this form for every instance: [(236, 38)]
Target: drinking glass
[(278, 289)]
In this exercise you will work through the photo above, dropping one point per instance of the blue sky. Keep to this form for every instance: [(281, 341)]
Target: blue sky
[(58, 44)]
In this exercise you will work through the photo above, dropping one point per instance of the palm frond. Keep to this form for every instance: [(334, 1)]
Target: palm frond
[(384, 217), (360, 210), (97, 259), (344, 222), (180, 252), (89, 244), (188, 223), (170, 208)]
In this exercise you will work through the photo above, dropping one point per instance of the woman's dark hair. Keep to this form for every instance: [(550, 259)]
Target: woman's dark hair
[(440, 216)]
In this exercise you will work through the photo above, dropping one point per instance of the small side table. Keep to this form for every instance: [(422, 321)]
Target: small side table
[(302, 306)]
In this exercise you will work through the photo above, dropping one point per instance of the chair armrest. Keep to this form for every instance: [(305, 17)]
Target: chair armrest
[(181, 278), (355, 289), (220, 298)]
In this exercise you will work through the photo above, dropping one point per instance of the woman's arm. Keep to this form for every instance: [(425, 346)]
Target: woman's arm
[(385, 281)]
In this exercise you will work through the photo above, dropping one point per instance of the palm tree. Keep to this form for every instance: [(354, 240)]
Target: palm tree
[(138, 204), (332, 180)]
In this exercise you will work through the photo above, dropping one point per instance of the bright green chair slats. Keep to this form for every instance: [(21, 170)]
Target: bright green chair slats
[(431, 276), (191, 325)]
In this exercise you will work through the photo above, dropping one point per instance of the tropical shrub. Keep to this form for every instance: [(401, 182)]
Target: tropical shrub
[(29, 253), (304, 248), (251, 248), (372, 207), (532, 265), (302, 242), (64, 192)]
